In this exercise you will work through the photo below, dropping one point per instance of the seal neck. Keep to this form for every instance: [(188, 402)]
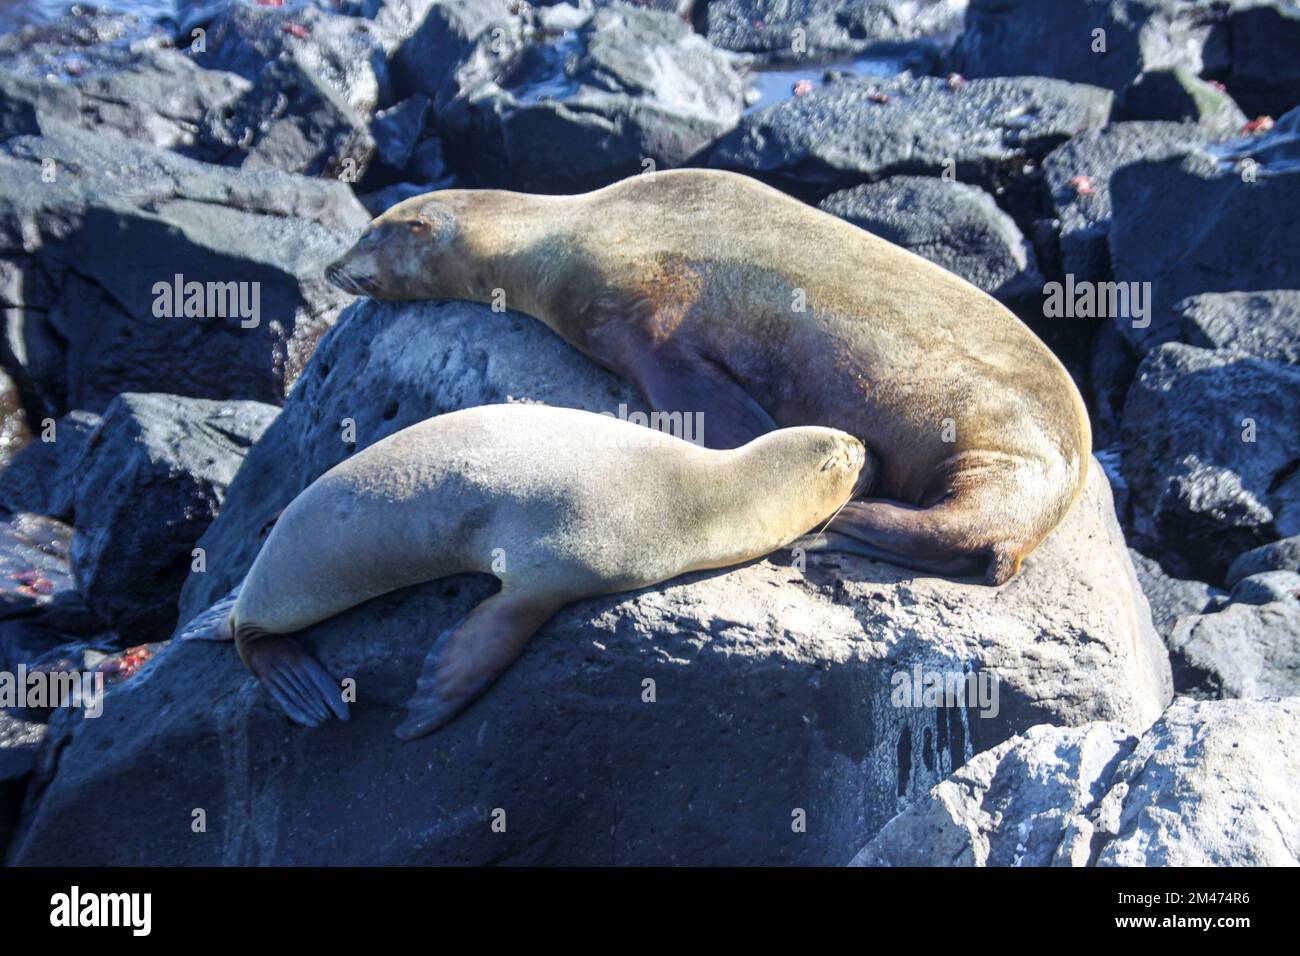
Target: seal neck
[(520, 260)]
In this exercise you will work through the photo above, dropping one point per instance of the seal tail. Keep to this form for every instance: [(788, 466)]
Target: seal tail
[(212, 624), (296, 681)]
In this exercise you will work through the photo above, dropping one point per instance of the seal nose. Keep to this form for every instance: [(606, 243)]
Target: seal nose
[(334, 273)]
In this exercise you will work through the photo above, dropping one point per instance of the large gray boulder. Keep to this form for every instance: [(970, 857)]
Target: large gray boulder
[(857, 129), (1077, 175), (89, 225), (590, 106), (1281, 555), (1210, 784), (1009, 806), (149, 481), (1062, 39), (161, 97), (772, 704), (1215, 219), (1209, 451), (1249, 649), (1264, 324), (789, 29), (953, 224)]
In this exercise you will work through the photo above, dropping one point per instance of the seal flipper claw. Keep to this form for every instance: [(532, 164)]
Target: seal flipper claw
[(302, 688), (468, 657)]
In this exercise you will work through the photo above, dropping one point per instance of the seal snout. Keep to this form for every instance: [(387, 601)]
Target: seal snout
[(341, 275)]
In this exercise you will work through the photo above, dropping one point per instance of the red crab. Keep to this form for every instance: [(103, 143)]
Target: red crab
[(1260, 124), (1082, 185), (800, 87)]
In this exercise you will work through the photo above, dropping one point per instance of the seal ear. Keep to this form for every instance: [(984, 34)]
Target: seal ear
[(439, 219)]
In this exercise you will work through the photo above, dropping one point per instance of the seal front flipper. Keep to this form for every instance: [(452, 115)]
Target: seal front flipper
[(677, 379), (468, 657), (302, 688)]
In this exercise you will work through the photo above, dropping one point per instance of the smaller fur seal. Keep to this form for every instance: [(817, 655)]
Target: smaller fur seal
[(559, 504)]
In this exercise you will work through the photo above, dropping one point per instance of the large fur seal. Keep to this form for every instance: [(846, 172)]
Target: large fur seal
[(714, 293), (559, 504)]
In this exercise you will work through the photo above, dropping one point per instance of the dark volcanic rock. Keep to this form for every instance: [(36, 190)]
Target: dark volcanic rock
[(1195, 224), (83, 43), (1263, 324), (447, 48), (345, 53), (1265, 72), (1078, 174), (627, 89), (18, 747), (291, 121), (1173, 599), (952, 224), (805, 661), (1211, 455), (42, 478), (1060, 39), (149, 481), (1267, 587), (161, 97), (1281, 555), (1181, 96), (856, 129), (85, 252), (773, 26)]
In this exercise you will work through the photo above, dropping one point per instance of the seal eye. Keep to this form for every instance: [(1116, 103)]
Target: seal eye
[(418, 227), (829, 464)]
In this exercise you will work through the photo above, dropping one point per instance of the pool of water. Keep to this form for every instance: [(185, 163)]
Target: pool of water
[(777, 83), (20, 13)]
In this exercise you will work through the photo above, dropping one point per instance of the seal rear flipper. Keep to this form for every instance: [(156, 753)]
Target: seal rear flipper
[(680, 380), (962, 566), (302, 688), (211, 624), (468, 657)]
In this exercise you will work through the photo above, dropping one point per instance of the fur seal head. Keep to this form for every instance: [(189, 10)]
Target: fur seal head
[(395, 256)]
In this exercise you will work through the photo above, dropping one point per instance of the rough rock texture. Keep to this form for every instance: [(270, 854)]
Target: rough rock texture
[(1210, 454), (1245, 650), (42, 478), (161, 97), (857, 129), (1008, 806), (1193, 225), (1182, 96), (952, 224), (346, 53), (18, 743), (1265, 72), (1281, 555), (1015, 37), (1210, 784), (149, 481), (1263, 324), (1172, 599), (628, 86), (80, 257), (1083, 205), (769, 26), (1267, 587), (765, 673)]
